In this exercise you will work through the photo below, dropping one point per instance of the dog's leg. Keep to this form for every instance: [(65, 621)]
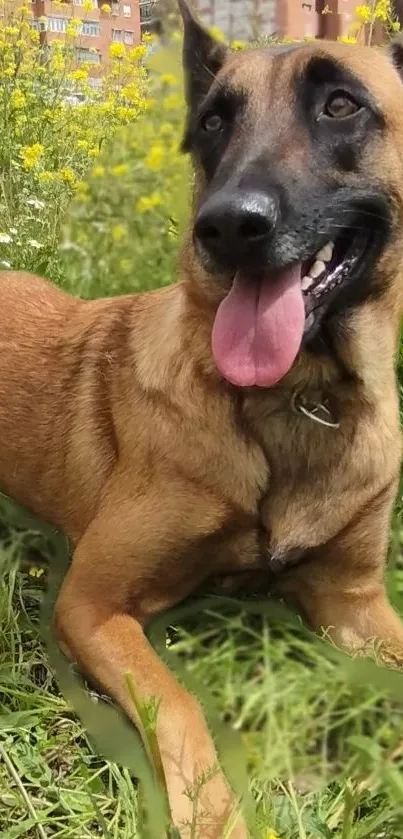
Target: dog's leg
[(342, 591), (128, 566)]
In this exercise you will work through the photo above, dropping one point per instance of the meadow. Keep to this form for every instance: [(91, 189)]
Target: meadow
[(94, 196)]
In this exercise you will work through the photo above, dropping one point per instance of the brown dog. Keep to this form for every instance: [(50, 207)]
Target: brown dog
[(245, 420)]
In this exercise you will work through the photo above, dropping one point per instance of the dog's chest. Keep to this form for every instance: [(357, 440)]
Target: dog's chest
[(317, 475)]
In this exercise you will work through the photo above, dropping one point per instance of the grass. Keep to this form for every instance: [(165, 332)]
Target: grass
[(323, 740)]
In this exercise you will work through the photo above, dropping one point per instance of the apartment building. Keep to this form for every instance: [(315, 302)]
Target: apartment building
[(237, 19), (246, 19), (99, 28)]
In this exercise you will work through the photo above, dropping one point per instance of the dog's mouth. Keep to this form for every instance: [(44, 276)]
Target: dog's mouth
[(333, 265), (266, 317)]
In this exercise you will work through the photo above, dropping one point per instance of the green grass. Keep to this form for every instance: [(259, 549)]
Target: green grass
[(323, 739)]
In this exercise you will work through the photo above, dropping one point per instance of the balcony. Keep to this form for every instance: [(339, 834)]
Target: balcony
[(146, 12)]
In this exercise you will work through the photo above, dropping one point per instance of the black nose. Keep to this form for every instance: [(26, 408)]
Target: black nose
[(234, 226)]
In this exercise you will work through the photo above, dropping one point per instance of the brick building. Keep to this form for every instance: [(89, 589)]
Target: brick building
[(245, 19), (99, 27), (237, 19)]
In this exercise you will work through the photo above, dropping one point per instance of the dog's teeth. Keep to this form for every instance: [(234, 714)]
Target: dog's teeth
[(317, 269), (325, 254), (306, 283)]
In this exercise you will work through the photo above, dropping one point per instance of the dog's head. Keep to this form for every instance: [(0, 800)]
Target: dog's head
[(298, 154)]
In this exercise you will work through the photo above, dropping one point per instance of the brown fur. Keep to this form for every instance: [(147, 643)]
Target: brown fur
[(116, 427)]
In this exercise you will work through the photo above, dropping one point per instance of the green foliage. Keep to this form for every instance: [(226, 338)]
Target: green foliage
[(48, 143)]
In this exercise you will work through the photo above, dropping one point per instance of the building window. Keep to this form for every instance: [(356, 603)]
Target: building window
[(57, 24), (146, 11), (90, 27), (87, 55), (115, 8), (81, 3), (116, 34), (128, 37), (127, 11)]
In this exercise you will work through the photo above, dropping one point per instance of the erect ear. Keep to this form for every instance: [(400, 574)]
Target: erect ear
[(394, 51), (203, 57)]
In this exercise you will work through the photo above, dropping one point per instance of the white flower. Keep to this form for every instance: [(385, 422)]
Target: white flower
[(35, 202), (34, 243), (5, 239), (4, 263)]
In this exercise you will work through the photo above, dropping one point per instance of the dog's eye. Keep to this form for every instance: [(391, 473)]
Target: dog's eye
[(212, 122), (340, 105)]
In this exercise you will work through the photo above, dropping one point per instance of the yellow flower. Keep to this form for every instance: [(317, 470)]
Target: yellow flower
[(79, 75), (56, 63), (124, 113), (67, 175), (216, 33), (148, 202), (168, 79), (118, 232), (30, 155), (93, 152), (47, 177), (17, 98), (382, 9), (105, 8), (9, 71), (137, 52), (87, 5), (363, 13), (131, 92), (271, 834), (116, 50), (237, 45), (98, 171), (119, 169), (347, 39), (154, 158)]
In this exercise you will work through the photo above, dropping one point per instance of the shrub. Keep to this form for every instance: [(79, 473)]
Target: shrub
[(48, 142)]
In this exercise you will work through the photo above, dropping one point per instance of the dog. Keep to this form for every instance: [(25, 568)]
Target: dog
[(240, 426)]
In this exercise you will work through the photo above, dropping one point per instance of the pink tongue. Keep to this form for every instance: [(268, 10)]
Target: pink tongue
[(258, 328)]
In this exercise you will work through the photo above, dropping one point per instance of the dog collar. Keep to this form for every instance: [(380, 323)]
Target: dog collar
[(317, 411)]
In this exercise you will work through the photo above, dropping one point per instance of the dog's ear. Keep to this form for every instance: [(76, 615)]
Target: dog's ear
[(394, 51), (203, 57)]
